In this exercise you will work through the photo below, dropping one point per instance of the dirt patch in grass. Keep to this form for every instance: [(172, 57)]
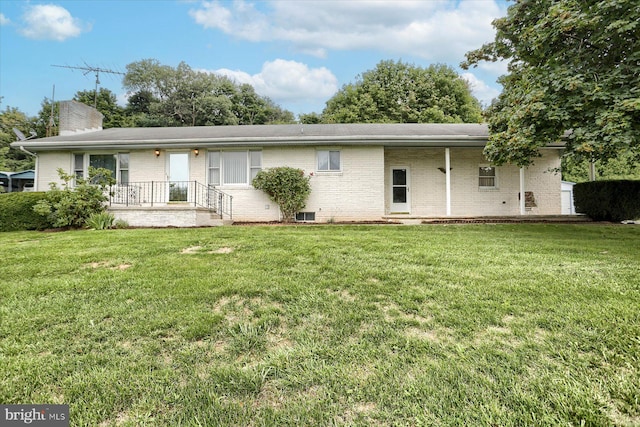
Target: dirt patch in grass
[(223, 250), (343, 295), (200, 249), (424, 334), (109, 265), (192, 250), (101, 264)]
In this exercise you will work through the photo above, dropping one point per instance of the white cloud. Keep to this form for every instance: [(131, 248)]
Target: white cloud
[(288, 81), (51, 22), (480, 89), (4, 20), (434, 30)]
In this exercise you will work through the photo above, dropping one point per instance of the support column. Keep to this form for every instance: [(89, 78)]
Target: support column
[(447, 167), (523, 210)]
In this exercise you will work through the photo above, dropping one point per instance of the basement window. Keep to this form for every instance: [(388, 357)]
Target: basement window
[(305, 216)]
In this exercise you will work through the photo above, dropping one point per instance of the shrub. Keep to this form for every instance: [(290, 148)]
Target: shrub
[(16, 212), (101, 221), (120, 223), (71, 206), (287, 187), (608, 200)]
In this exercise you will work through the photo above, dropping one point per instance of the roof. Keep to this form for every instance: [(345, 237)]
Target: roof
[(391, 134), (28, 174)]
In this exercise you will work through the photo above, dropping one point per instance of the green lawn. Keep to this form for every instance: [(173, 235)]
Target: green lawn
[(488, 325)]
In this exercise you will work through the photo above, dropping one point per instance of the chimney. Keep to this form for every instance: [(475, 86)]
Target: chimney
[(76, 117)]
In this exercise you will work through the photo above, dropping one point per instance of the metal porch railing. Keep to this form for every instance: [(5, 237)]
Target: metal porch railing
[(166, 193)]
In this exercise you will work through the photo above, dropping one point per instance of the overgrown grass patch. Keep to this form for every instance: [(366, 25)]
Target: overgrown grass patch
[(327, 325)]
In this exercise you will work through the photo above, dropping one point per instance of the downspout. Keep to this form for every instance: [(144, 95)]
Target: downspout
[(27, 151)]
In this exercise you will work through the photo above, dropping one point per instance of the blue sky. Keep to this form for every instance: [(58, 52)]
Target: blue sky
[(298, 53)]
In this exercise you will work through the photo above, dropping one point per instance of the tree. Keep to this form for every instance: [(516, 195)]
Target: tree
[(285, 186), (573, 72), (310, 118), (107, 104), (166, 96), (13, 159), (396, 92), (622, 167)]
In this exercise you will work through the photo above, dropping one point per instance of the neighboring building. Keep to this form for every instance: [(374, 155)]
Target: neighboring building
[(568, 207), (360, 172), (17, 181)]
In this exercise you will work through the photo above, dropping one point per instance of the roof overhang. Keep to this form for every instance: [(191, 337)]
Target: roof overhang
[(384, 135), (385, 141)]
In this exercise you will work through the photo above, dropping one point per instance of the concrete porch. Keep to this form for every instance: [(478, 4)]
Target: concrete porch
[(175, 215)]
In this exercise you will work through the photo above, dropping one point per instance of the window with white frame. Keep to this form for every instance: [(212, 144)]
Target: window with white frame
[(328, 160), (123, 168), (487, 177), (234, 167), (118, 164), (78, 165)]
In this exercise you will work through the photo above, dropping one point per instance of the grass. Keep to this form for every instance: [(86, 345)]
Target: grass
[(505, 325)]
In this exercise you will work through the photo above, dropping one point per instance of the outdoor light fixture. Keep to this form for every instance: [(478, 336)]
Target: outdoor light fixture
[(443, 170), (157, 152), (196, 152)]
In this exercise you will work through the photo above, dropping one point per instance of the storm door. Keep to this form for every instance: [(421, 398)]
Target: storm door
[(400, 202), (178, 177)]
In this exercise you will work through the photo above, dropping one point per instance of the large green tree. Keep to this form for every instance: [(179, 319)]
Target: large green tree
[(107, 103), (397, 92), (574, 72), (165, 96), (13, 159)]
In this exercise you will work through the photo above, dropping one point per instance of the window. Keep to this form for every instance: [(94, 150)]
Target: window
[(234, 167), (328, 160), (123, 168), (78, 165), (118, 164), (306, 216), (487, 177), (255, 163), (214, 167)]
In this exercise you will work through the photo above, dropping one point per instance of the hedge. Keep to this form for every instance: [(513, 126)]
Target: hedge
[(16, 212), (608, 200)]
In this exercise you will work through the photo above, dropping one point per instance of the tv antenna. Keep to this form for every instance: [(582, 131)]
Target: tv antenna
[(89, 69)]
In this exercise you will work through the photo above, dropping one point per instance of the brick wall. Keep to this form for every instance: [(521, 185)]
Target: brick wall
[(361, 190), (76, 117), (428, 186)]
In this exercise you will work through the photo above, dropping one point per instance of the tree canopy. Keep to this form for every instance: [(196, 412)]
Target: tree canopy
[(165, 96), (107, 104), (574, 71), (12, 159), (397, 92)]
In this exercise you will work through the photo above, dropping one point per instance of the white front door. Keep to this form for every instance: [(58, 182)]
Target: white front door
[(400, 202), (178, 176)]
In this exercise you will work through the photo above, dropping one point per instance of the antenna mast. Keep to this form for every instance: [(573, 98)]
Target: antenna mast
[(89, 69), (52, 122)]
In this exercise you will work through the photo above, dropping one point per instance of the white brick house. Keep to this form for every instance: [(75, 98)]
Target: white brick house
[(360, 172)]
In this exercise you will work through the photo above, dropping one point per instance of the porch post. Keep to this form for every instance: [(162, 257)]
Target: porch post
[(447, 167), (522, 197)]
